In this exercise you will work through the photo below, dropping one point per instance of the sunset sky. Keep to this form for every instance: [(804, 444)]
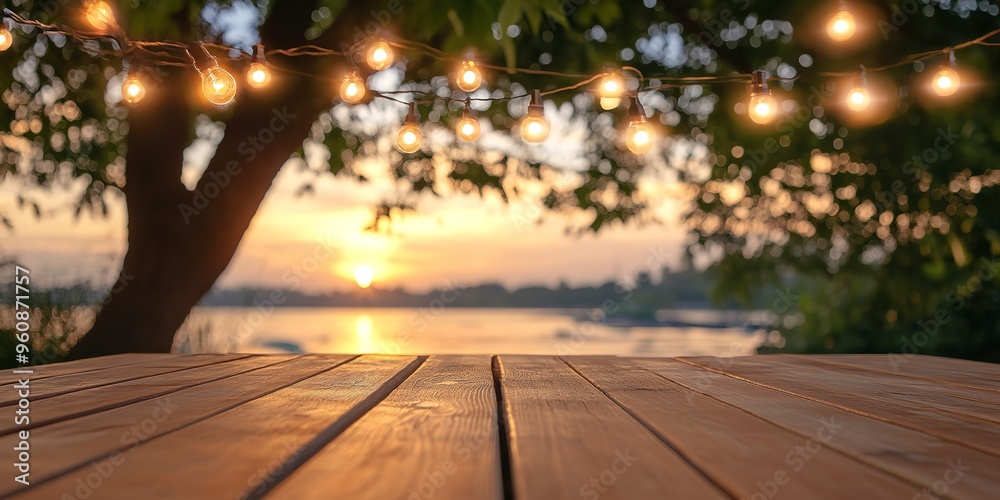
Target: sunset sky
[(467, 239)]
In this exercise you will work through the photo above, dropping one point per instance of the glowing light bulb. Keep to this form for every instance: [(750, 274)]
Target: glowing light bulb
[(409, 138), (534, 127), (762, 109), (379, 55), (258, 76), (609, 103), (468, 128), (611, 86), (841, 26), (945, 81), (858, 99), (6, 38), (640, 136), (133, 90), (218, 85), (469, 77), (352, 90), (100, 16)]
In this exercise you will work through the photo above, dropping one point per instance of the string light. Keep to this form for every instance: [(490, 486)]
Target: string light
[(468, 128), (219, 86), (469, 77), (100, 16), (858, 99), (258, 76), (640, 135), (6, 37), (842, 25), (352, 89), (761, 108), (133, 90), (610, 90), (409, 138), (946, 80), (534, 127), (379, 55)]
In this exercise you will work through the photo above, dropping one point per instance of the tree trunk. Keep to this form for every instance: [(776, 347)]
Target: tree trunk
[(179, 241)]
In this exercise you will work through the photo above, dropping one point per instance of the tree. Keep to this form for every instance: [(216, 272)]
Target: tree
[(762, 200)]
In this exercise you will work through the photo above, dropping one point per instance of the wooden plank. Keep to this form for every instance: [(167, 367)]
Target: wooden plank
[(861, 398), (568, 440), (437, 433), (81, 366), (84, 444), (983, 376), (747, 456), (97, 399), (221, 456), (917, 457), (63, 384), (983, 405)]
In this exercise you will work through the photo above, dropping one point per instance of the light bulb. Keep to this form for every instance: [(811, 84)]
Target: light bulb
[(100, 16), (469, 77), (258, 76), (352, 91), (409, 138), (841, 26), (609, 103), (468, 128), (612, 86), (218, 85), (762, 109), (946, 81), (640, 136), (6, 38), (133, 90), (379, 55), (535, 129), (858, 99)]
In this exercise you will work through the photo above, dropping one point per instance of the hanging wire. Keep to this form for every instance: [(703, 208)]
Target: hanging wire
[(174, 53)]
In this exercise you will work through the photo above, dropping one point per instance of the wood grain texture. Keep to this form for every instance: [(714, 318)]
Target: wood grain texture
[(81, 445), (984, 376), (912, 455), (97, 399), (224, 455), (437, 433), (82, 366), (983, 405), (748, 456), (63, 384), (864, 397), (568, 440)]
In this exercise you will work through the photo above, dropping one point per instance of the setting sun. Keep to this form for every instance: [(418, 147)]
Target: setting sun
[(363, 275)]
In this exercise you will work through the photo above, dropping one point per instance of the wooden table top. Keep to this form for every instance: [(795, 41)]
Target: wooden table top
[(139, 426)]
